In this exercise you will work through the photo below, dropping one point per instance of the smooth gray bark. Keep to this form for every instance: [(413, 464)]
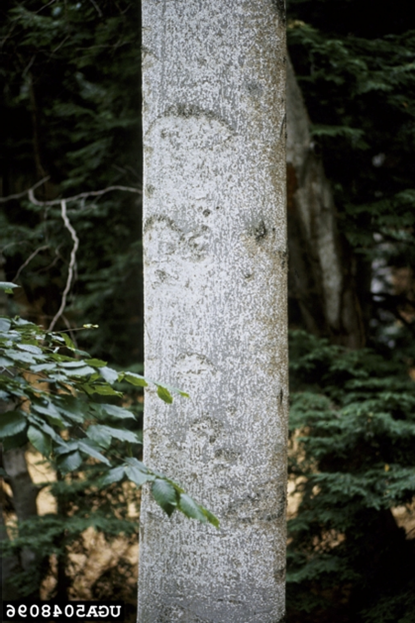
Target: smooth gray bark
[(215, 268)]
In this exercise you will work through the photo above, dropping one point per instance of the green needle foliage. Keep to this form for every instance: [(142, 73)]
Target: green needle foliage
[(356, 67), (353, 437), (352, 413)]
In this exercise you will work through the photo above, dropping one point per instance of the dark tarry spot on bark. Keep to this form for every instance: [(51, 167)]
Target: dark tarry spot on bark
[(226, 454), (260, 231), (187, 111), (279, 5), (282, 503), (281, 396), (284, 259), (279, 574), (254, 88), (282, 127), (189, 239), (152, 220), (252, 508)]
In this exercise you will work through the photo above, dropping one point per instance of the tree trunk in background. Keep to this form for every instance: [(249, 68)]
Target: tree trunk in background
[(321, 279), (215, 307), (9, 565), (24, 504), (24, 494), (23, 489)]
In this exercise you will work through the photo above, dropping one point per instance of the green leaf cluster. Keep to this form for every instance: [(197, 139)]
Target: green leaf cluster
[(56, 397)]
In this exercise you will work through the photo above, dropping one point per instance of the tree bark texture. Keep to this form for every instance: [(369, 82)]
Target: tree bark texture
[(8, 565), (24, 497), (215, 264), (322, 270), (24, 491)]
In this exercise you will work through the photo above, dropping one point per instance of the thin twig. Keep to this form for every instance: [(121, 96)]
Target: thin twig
[(3, 41), (12, 244), (71, 264), (94, 4), (25, 192), (70, 331), (28, 66), (52, 264), (45, 6), (60, 44), (93, 193), (63, 202), (29, 259)]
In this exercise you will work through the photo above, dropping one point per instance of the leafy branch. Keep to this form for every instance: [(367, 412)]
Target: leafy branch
[(57, 391)]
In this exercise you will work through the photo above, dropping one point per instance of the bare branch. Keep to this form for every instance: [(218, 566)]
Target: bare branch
[(92, 193), (25, 192), (29, 259), (71, 264), (13, 244), (45, 6), (60, 44), (28, 66), (52, 264), (70, 330), (63, 203), (30, 192), (94, 4)]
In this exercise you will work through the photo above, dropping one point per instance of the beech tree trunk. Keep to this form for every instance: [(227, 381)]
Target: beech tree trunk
[(215, 263), (322, 270)]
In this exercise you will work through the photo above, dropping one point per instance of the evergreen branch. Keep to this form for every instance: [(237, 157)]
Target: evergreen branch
[(71, 265)]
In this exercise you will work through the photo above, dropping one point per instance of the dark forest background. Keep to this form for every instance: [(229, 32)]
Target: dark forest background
[(70, 116)]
